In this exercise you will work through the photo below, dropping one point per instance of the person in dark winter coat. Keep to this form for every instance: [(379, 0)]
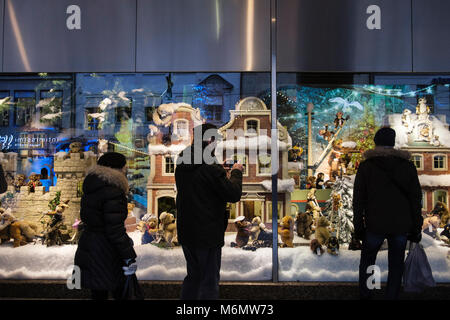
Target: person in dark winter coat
[(3, 183), (386, 205), (203, 191), (104, 250)]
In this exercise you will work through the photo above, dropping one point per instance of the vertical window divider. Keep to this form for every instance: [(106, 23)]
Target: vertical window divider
[(274, 141)]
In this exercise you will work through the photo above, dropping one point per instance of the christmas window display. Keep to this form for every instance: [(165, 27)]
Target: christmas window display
[(322, 133)]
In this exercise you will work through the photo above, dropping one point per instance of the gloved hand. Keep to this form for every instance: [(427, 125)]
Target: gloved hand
[(130, 267), (415, 237), (360, 233)]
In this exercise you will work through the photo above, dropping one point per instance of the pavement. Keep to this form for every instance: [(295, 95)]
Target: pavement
[(170, 290)]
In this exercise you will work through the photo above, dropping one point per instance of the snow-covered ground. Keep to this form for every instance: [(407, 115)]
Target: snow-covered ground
[(296, 264)]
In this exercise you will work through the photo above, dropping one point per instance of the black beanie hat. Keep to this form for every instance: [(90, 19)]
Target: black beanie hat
[(385, 137), (113, 160)]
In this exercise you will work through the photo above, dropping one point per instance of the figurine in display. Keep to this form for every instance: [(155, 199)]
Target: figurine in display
[(431, 223), (322, 234), (286, 232), (316, 247), (148, 226), (440, 210), (304, 223), (334, 161), (256, 227), (327, 135), (168, 228), (422, 110), (312, 206), (55, 231), (19, 181), (406, 120), (21, 231), (78, 227), (339, 121), (333, 246), (34, 181), (75, 147), (445, 234), (295, 154), (264, 236), (243, 232), (320, 181)]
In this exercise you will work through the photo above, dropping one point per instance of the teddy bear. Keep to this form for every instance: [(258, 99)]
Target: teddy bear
[(431, 223), (286, 231), (333, 246), (256, 227), (168, 228), (310, 182), (243, 232), (55, 231), (445, 234), (312, 206), (304, 223), (315, 247), (440, 209), (322, 234), (75, 147), (21, 232), (19, 181), (148, 226), (34, 181)]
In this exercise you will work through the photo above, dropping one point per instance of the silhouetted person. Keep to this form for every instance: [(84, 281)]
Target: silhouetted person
[(386, 205), (3, 183)]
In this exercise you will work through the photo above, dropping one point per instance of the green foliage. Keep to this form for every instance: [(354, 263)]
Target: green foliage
[(55, 202)]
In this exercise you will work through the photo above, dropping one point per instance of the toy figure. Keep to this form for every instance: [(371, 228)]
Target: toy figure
[(322, 234), (440, 210), (310, 182), (55, 232), (327, 135), (148, 226), (316, 247), (34, 181), (312, 206), (168, 228), (19, 181), (333, 246), (422, 110), (320, 181), (304, 223), (295, 154), (340, 120), (75, 147), (286, 231), (243, 232), (21, 231)]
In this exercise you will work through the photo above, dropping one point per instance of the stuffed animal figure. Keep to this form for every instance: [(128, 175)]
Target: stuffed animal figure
[(430, 224), (310, 182), (256, 228), (304, 223), (55, 231), (322, 234), (168, 226), (21, 232), (441, 210), (19, 181), (286, 231), (148, 226), (333, 246), (243, 232), (445, 234), (75, 147), (315, 247), (312, 206), (34, 181)]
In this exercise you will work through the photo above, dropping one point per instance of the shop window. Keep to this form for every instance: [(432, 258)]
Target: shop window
[(439, 162), (24, 108), (169, 166), (441, 196), (251, 127), (4, 108), (417, 160)]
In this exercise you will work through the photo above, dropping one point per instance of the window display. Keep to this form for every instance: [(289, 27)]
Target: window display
[(57, 126)]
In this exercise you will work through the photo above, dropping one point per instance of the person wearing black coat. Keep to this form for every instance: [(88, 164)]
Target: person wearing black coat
[(105, 250), (386, 205), (3, 183), (203, 191)]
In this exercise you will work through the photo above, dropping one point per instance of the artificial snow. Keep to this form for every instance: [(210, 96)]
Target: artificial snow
[(259, 142), (35, 261), (427, 180), (349, 144), (286, 185), (173, 149)]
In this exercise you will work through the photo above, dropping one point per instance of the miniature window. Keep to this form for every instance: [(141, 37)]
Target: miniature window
[(169, 165), (251, 127), (25, 104), (92, 118), (4, 108), (418, 161), (441, 196), (264, 167), (50, 107), (181, 129), (439, 162)]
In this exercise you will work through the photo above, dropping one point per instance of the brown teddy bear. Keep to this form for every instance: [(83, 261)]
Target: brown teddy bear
[(304, 223), (21, 232), (75, 147), (310, 182), (286, 231), (256, 227), (322, 234), (34, 181), (315, 247), (243, 232), (168, 228), (440, 209), (19, 181)]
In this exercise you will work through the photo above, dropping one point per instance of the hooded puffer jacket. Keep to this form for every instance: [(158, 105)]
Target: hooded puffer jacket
[(387, 194), (104, 244)]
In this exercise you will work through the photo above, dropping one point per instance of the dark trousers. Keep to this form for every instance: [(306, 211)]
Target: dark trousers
[(396, 257), (203, 273), (103, 294)]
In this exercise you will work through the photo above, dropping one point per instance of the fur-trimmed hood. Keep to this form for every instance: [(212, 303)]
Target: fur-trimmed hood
[(109, 175), (386, 152)]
